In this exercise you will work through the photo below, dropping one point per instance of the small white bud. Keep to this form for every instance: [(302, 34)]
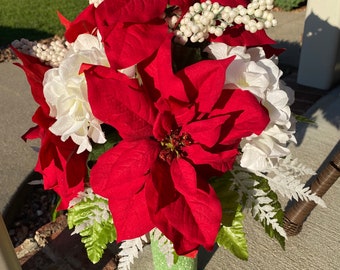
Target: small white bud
[(267, 24), (238, 19), (218, 32), (258, 13), (259, 25)]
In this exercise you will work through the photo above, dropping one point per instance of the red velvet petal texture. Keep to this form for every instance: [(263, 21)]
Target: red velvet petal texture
[(188, 215), (248, 116), (159, 73), (206, 132), (35, 71), (84, 23), (119, 101), (130, 24), (121, 40), (221, 160), (208, 78), (120, 176), (130, 11)]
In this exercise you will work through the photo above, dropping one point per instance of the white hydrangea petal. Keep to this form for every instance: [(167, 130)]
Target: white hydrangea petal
[(217, 50), (256, 53), (253, 158), (65, 91)]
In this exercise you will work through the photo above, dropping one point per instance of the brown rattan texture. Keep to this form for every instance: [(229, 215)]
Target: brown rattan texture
[(300, 210)]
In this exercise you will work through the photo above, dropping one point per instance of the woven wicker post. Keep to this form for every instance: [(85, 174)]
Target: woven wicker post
[(299, 211)]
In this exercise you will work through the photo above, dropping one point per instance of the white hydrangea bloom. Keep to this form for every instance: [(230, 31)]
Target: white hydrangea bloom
[(65, 91), (252, 71)]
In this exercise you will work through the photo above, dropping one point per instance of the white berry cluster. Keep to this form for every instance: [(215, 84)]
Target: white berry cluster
[(207, 18), (51, 53)]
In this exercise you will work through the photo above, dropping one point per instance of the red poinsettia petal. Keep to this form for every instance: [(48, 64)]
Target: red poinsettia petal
[(238, 36), (207, 78), (75, 164), (41, 118), (130, 11), (62, 169), (119, 101), (32, 133), (157, 73), (206, 132), (84, 23), (248, 116), (121, 40), (221, 161), (172, 114), (119, 175), (54, 178), (35, 71), (65, 22), (187, 214), (165, 122), (270, 50), (66, 194)]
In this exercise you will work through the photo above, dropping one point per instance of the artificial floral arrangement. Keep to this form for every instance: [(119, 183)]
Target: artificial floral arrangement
[(165, 120)]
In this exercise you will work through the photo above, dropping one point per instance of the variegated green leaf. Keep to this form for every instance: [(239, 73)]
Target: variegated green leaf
[(233, 237)]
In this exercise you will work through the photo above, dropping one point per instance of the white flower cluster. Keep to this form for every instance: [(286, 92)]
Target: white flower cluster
[(252, 71), (65, 91), (52, 53), (207, 18)]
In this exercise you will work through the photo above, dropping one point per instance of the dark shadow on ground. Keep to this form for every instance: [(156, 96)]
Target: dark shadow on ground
[(8, 34), (291, 55)]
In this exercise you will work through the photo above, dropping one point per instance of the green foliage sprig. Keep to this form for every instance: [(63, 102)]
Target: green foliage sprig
[(91, 218), (233, 237)]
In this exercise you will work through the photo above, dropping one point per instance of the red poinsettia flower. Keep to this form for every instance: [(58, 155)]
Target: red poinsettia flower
[(157, 176), (62, 169)]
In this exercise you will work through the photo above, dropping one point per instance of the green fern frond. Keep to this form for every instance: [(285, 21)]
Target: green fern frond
[(165, 246), (269, 211), (129, 250), (90, 216)]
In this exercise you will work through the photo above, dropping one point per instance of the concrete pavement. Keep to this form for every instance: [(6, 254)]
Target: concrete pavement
[(17, 108)]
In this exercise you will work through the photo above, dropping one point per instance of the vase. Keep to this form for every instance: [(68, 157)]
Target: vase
[(160, 263)]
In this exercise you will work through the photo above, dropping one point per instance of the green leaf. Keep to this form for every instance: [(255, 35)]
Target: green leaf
[(303, 119), (55, 212), (93, 221), (96, 238), (186, 55), (264, 186), (228, 198), (233, 237)]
